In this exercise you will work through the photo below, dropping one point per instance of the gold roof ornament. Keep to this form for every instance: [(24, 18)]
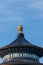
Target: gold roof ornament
[(20, 29)]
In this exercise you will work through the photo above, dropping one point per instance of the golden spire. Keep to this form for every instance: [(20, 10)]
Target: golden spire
[(20, 29)]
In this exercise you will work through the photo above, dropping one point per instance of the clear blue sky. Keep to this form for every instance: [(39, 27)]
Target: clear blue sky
[(28, 13)]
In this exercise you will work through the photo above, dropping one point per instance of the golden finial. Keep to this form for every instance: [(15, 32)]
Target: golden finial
[(20, 29)]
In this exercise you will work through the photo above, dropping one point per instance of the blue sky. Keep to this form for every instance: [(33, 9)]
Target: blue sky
[(28, 13)]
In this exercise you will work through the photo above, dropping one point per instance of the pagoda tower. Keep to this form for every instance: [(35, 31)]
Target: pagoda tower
[(21, 51)]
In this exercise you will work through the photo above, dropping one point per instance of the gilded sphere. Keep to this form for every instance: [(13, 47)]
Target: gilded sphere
[(20, 28)]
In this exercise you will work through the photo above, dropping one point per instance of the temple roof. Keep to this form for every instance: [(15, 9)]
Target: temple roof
[(20, 41), (16, 62)]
